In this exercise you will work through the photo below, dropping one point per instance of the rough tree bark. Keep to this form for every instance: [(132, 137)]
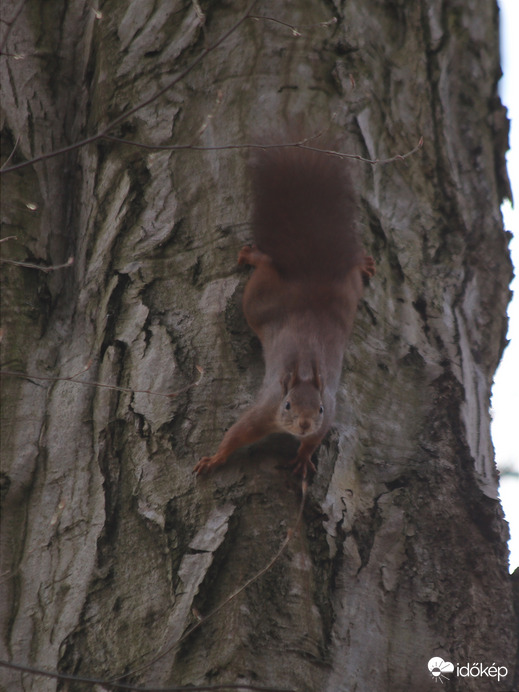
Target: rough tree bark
[(109, 544)]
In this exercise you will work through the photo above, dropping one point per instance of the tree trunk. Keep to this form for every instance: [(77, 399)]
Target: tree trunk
[(111, 548)]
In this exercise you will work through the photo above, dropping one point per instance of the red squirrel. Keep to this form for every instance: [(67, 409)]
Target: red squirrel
[(301, 298)]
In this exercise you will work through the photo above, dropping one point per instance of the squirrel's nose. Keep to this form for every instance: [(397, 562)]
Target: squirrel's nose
[(304, 424)]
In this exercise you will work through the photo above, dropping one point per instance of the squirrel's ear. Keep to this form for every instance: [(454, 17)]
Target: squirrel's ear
[(316, 380), (294, 378), (285, 380), (290, 380)]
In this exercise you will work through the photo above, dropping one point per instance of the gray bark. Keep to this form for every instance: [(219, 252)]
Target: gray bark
[(110, 545)]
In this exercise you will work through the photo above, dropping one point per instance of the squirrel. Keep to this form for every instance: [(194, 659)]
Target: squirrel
[(301, 298)]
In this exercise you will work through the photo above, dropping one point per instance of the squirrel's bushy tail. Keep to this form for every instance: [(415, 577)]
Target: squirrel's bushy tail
[(304, 213)]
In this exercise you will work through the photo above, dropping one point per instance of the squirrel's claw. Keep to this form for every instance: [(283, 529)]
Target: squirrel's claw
[(302, 465), (368, 268), (246, 255), (206, 464)]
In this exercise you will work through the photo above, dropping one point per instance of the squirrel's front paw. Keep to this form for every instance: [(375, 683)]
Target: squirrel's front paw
[(246, 255), (302, 464), (207, 464)]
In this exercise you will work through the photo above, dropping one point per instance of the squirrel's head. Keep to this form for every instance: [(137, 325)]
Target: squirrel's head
[(301, 411)]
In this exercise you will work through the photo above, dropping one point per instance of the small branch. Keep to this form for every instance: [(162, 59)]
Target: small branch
[(358, 157), (301, 144), (137, 688), (129, 390), (41, 267), (293, 29), (200, 147)]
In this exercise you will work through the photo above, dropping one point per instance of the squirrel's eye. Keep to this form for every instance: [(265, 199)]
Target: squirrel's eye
[(321, 409), (287, 406)]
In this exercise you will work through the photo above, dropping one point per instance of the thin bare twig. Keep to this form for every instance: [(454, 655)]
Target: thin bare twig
[(137, 688), (301, 144), (31, 265), (201, 147), (358, 157), (129, 390), (41, 267), (295, 31)]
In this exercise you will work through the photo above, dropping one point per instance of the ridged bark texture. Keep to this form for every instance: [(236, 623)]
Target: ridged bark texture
[(110, 545)]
